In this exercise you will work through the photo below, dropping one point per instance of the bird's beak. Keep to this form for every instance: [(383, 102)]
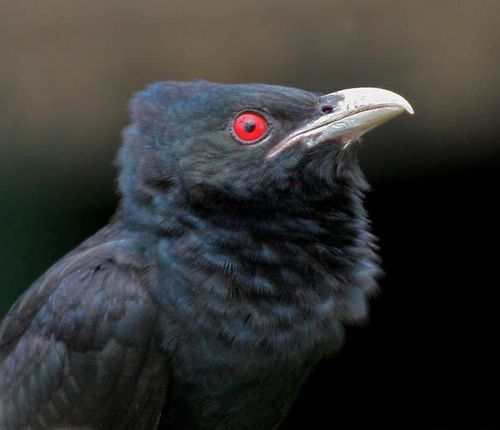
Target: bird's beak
[(345, 116)]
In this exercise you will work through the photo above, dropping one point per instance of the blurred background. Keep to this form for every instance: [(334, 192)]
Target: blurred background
[(428, 358)]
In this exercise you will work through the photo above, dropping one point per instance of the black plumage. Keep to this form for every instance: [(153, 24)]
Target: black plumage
[(224, 277)]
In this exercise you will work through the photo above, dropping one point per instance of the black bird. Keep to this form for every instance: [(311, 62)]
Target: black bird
[(239, 250)]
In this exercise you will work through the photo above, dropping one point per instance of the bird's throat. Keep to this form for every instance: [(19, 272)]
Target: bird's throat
[(318, 262)]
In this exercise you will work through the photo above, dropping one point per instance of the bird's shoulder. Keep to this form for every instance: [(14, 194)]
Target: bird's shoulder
[(98, 287), (88, 322)]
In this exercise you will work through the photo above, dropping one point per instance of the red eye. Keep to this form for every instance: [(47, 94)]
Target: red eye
[(249, 127)]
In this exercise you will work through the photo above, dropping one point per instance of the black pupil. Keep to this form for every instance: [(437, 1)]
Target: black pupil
[(249, 126)]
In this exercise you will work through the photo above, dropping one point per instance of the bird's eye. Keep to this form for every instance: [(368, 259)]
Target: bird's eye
[(249, 127)]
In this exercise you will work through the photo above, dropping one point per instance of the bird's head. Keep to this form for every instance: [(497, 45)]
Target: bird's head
[(250, 144)]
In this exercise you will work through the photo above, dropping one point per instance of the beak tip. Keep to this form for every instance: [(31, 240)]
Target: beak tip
[(408, 108)]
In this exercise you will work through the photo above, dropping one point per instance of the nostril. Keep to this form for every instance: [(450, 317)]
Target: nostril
[(326, 109)]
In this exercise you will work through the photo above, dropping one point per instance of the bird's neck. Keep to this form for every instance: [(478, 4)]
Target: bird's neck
[(321, 257)]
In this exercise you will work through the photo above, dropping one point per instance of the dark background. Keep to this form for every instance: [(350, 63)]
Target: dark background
[(428, 358)]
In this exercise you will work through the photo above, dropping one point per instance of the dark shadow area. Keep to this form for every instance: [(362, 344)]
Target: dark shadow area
[(429, 353)]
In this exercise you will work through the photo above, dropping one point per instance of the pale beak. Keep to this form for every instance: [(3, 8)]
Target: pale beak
[(347, 115)]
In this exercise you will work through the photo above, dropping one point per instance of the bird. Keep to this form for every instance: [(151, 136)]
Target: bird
[(239, 251)]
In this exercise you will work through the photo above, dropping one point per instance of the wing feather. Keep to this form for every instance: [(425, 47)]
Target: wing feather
[(77, 349)]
